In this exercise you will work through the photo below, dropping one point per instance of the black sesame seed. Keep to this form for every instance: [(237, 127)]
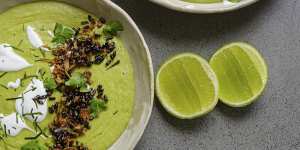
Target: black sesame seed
[(90, 18), (98, 59)]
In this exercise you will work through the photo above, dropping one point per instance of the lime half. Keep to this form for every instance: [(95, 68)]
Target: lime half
[(186, 86), (242, 74)]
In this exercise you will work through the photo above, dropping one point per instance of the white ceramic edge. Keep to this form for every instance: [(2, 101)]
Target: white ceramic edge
[(181, 6), (120, 10)]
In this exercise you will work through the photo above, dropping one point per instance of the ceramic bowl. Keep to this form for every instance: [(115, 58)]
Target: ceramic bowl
[(140, 57), (182, 6)]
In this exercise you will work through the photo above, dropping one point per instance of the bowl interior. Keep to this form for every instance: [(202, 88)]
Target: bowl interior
[(140, 59), (182, 6)]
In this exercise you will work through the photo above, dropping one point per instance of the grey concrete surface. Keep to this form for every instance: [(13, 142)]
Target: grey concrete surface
[(273, 122)]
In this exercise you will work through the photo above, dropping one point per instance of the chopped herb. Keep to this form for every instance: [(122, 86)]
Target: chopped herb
[(115, 112), (34, 145), (112, 28), (4, 86), (43, 28), (3, 74), (14, 98), (41, 132), (34, 137), (108, 63), (14, 47), (96, 106), (17, 117), (22, 104), (40, 99), (5, 133), (42, 52), (25, 76), (62, 33), (30, 90), (113, 55), (41, 72), (43, 60), (36, 104), (32, 114), (36, 125), (20, 43), (50, 84), (114, 64), (77, 80), (30, 77)]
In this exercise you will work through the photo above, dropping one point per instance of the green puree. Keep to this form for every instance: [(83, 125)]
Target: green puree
[(118, 82)]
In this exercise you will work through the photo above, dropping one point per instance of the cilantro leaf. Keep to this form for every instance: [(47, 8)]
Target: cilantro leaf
[(96, 106), (58, 28), (50, 84), (62, 33), (112, 28), (34, 145), (77, 80), (84, 89)]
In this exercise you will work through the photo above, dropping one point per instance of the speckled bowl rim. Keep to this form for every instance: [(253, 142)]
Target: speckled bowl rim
[(150, 66), (181, 6)]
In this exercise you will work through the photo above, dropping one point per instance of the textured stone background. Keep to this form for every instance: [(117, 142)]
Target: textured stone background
[(272, 123)]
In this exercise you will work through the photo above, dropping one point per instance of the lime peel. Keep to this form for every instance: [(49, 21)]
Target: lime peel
[(259, 66), (195, 106)]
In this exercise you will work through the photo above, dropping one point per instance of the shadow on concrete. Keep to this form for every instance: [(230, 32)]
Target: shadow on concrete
[(184, 125), (163, 23), (243, 113)]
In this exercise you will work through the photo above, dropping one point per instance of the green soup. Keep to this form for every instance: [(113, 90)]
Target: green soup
[(118, 82)]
